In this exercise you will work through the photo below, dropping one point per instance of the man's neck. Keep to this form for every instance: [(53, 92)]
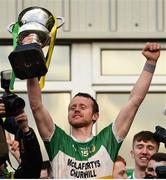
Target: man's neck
[(139, 172), (81, 134), (82, 140)]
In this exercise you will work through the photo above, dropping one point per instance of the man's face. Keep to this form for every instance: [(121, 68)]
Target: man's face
[(80, 112), (119, 171), (44, 174), (142, 151), (151, 168)]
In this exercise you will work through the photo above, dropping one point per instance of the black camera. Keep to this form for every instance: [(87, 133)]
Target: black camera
[(160, 134), (161, 172), (14, 105)]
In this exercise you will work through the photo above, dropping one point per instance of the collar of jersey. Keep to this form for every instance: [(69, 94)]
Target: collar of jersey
[(84, 141)]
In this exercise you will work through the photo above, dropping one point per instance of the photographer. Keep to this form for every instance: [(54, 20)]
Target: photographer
[(156, 168), (30, 154), (14, 120), (31, 157)]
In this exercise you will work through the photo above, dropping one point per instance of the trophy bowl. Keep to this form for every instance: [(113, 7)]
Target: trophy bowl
[(27, 59), (35, 20)]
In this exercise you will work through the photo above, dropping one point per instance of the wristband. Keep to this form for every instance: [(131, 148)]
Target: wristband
[(149, 67), (28, 133)]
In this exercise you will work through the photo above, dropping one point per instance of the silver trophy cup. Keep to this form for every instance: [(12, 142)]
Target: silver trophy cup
[(27, 60)]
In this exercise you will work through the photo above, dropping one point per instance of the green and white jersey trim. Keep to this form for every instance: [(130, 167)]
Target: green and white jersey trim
[(131, 174), (92, 159)]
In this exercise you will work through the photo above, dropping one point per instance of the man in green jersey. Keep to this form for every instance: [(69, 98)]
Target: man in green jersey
[(83, 155)]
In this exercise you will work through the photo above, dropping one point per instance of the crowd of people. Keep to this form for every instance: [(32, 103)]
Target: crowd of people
[(82, 154)]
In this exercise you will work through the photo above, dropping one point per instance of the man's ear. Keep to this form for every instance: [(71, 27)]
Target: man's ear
[(95, 117)]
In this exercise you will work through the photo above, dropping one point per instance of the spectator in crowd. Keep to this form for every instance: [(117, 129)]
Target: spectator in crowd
[(143, 147), (119, 171), (30, 153), (46, 170), (13, 146), (83, 155), (4, 151), (156, 168)]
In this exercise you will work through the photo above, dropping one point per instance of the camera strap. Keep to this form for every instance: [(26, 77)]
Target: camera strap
[(8, 160)]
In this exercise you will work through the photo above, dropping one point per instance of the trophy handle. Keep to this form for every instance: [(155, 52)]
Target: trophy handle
[(62, 21), (10, 27)]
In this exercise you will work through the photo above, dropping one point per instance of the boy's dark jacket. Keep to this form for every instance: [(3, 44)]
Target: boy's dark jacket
[(30, 153)]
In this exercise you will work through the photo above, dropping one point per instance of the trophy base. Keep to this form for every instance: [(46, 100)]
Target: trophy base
[(28, 61)]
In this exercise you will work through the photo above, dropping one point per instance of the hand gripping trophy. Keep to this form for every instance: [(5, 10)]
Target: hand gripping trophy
[(36, 28)]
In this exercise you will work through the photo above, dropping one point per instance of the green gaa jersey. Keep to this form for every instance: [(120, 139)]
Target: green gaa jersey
[(91, 159), (130, 173)]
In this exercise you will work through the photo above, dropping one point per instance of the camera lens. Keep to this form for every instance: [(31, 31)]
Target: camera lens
[(160, 134), (19, 103)]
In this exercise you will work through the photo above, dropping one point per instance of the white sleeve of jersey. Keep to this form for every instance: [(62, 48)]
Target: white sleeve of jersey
[(114, 130)]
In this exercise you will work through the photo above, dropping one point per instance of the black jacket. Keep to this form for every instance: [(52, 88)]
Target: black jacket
[(30, 153), (31, 157)]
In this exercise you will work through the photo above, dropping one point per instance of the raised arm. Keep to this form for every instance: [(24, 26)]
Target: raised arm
[(126, 116), (42, 117)]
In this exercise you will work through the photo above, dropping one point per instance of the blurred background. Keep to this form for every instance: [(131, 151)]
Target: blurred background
[(98, 51)]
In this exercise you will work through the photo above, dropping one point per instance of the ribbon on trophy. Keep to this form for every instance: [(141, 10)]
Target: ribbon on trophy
[(30, 34), (50, 51), (15, 30)]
